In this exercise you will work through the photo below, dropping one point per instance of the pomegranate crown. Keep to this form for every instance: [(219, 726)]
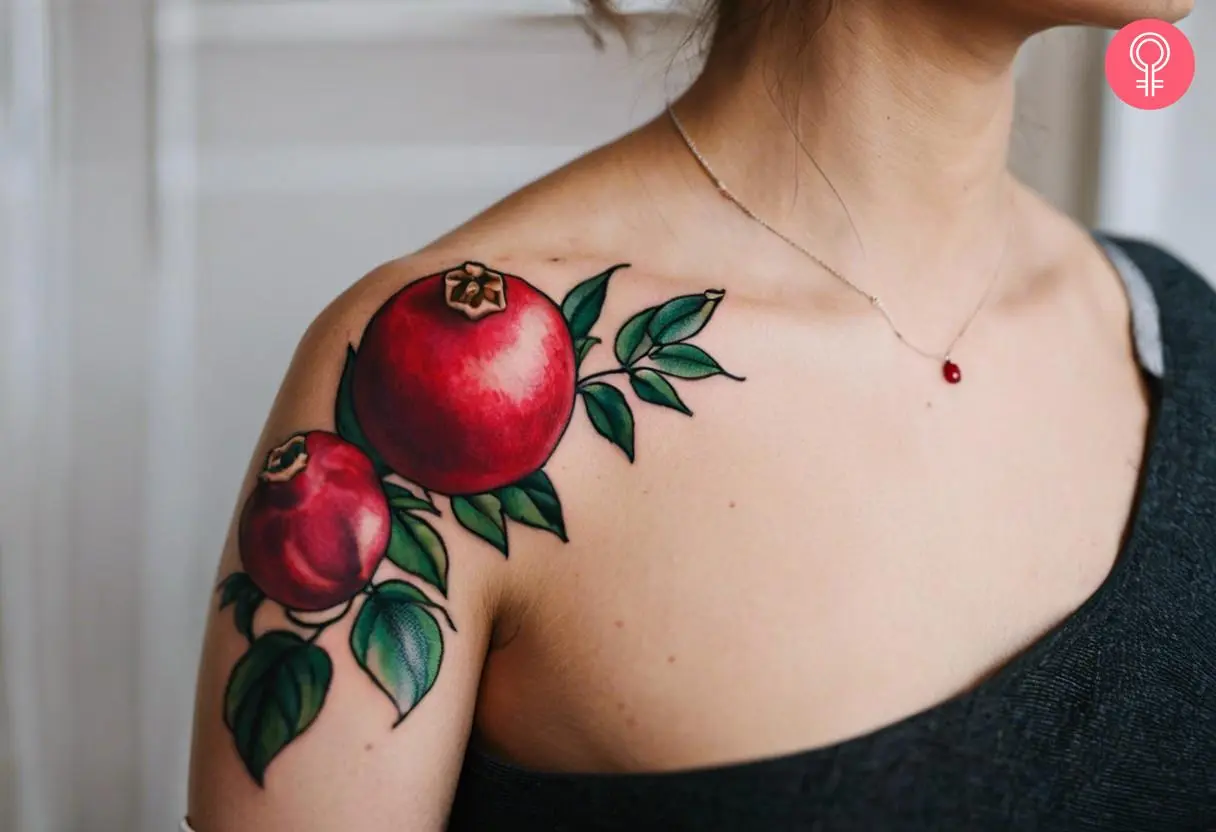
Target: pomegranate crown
[(287, 460), (475, 291)]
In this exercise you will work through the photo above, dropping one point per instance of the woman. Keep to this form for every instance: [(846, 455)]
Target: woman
[(936, 550)]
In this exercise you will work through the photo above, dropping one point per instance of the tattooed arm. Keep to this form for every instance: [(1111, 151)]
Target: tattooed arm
[(343, 655), (343, 649)]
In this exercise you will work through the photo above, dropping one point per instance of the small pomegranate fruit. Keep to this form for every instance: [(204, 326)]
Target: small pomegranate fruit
[(317, 523), (464, 381)]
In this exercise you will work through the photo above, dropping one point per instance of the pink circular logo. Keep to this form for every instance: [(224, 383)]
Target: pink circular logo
[(1150, 64)]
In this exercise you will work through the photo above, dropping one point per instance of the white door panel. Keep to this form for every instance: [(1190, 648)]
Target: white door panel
[(533, 84), (317, 160)]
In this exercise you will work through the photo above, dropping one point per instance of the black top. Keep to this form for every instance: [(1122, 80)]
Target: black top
[(1107, 722)]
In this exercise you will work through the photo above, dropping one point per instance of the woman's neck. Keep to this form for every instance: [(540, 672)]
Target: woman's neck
[(876, 135)]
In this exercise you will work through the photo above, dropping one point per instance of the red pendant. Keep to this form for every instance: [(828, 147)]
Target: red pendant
[(951, 372)]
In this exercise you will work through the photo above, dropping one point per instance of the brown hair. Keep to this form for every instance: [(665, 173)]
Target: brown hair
[(606, 9), (605, 12), (721, 19)]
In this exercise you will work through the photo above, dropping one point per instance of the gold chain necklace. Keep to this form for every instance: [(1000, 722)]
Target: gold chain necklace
[(951, 372)]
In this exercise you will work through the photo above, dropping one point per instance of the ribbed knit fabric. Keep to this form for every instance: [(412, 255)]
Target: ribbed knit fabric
[(1106, 723)]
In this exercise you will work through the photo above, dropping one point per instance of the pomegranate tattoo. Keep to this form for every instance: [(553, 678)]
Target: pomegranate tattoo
[(316, 525), (463, 384), (465, 380)]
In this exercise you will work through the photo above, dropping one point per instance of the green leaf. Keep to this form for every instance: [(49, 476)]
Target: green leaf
[(482, 515), (687, 361), (610, 415), (346, 423), (652, 387), (533, 501), (582, 305), (274, 693), (683, 317), (402, 499), (239, 589), (581, 347), (417, 548), (632, 341), (399, 643)]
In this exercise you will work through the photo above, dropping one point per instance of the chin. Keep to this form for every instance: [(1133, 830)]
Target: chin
[(1110, 13)]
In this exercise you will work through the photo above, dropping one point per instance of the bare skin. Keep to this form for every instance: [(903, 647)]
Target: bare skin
[(840, 542)]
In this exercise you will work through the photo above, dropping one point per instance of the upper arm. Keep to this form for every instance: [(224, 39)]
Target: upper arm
[(344, 645)]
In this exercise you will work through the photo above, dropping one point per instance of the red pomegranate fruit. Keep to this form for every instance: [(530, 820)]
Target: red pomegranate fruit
[(464, 380), (317, 523)]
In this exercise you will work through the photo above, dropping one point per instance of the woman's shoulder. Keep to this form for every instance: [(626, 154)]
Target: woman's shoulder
[(1168, 292), (1166, 273), (514, 386), (1151, 257)]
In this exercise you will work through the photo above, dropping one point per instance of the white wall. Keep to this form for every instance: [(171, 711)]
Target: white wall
[(33, 409), (184, 194)]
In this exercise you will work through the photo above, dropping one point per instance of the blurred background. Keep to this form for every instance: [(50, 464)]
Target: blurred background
[(186, 183)]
